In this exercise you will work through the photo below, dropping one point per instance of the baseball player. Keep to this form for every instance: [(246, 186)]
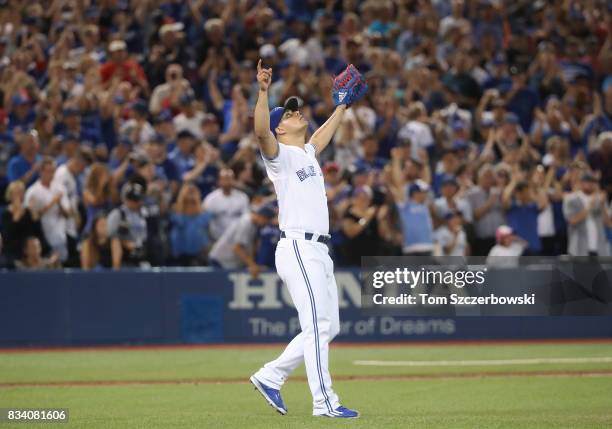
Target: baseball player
[(302, 258)]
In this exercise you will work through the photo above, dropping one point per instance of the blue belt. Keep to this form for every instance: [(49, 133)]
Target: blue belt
[(308, 236)]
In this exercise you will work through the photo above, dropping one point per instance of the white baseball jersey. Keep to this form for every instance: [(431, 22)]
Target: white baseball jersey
[(242, 231), (53, 221), (299, 185), (307, 270), (64, 177), (225, 209)]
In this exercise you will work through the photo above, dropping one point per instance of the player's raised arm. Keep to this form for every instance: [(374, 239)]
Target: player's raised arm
[(324, 134), (349, 86), (265, 138)]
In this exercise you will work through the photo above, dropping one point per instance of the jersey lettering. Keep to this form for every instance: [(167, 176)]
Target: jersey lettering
[(306, 172), (299, 185)]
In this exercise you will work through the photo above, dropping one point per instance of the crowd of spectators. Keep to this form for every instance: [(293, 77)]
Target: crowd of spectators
[(126, 128)]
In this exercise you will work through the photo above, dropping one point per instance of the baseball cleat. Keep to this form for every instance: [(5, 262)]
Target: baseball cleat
[(342, 413), (271, 395)]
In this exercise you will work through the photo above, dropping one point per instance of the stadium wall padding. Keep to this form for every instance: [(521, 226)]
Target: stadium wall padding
[(202, 306)]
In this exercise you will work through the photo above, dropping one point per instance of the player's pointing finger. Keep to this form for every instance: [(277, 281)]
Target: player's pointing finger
[(259, 65)]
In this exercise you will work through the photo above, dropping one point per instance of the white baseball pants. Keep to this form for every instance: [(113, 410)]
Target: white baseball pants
[(308, 271)]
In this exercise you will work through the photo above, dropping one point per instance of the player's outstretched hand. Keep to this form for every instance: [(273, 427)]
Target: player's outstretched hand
[(349, 86), (264, 77)]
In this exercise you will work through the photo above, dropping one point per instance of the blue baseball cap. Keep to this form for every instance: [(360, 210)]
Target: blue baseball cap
[(164, 116), (125, 141), (458, 125), (292, 104), (448, 179), (363, 190), (157, 139), (580, 74), (418, 186), (186, 98), (488, 120), (68, 137), (267, 211), (283, 64), (184, 134), (140, 106), (459, 145), (71, 111), (451, 214), (499, 59), (361, 169), (20, 100)]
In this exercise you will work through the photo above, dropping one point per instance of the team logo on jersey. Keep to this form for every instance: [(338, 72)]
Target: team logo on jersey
[(306, 172)]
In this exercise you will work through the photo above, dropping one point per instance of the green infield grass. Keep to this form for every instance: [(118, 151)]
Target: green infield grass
[(410, 386)]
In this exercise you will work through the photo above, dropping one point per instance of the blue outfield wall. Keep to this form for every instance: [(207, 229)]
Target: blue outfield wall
[(198, 306)]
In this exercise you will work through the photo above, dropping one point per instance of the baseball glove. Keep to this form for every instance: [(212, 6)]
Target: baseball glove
[(349, 86)]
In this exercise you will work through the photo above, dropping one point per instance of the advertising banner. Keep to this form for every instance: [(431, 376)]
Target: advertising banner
[(202, 306)]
